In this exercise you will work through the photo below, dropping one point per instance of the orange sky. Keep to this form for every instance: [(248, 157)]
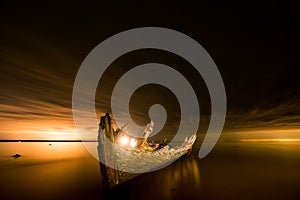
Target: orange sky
[(38, 69)]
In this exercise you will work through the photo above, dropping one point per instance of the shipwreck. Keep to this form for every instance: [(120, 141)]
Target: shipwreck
[(129, 156)]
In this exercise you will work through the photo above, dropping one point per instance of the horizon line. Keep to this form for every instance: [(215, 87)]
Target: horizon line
[(48, 140)]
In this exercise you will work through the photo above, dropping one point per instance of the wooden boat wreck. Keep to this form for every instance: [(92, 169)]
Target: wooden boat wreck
[(123, 157)]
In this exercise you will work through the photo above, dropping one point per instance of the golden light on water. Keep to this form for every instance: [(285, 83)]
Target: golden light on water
[(43, 150)]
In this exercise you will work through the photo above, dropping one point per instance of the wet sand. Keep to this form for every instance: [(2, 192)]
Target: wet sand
[(233, 170)]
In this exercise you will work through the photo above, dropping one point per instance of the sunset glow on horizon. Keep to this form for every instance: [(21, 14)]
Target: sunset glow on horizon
[(271, 140)]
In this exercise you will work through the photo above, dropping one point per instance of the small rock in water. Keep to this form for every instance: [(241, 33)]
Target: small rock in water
[(16, 155)]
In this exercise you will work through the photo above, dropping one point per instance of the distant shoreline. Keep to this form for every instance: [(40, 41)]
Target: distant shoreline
[(48, 141)]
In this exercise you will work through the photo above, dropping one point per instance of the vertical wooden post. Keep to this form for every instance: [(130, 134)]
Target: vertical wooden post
[(110, 176)]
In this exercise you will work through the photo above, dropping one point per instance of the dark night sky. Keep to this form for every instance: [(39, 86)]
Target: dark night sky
[(255, 46)]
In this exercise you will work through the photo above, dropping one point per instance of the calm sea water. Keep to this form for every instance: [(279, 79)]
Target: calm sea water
[(233, 170)]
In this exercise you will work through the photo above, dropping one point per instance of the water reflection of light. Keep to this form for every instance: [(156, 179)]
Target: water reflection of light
[(183, 175), (42, 150)]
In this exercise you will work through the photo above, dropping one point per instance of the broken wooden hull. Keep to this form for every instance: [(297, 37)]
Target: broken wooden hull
[(119, 163)]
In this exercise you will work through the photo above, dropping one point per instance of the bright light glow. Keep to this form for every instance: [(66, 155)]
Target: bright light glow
[(124, 140), (133, 143)]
